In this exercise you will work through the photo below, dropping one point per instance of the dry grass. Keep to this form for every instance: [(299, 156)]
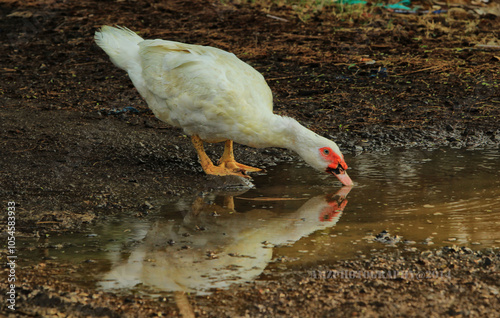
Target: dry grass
[(305, 9), (458, 24)]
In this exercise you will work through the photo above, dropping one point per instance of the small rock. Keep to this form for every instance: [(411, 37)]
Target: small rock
[(357, 148), (147, 205), (426, 254), (487, 261), (493, 290), (467, 250), (449, 128)]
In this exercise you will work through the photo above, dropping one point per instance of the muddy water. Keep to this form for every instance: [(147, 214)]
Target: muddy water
[(436, 198), (296, 217)]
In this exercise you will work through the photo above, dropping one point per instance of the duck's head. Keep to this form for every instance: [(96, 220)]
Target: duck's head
[(335, 164), (324, 155)]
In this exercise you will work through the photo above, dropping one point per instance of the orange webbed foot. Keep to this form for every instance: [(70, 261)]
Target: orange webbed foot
[(227, 164)]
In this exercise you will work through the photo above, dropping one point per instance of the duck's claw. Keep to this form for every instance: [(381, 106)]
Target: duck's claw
[(227, 164)]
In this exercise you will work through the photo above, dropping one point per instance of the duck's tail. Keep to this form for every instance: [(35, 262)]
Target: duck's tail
[(120, 44)]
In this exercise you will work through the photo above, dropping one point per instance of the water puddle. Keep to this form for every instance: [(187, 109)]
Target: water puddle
[(295, 218)]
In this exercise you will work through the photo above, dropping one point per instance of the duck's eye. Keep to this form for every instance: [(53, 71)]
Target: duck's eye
[(326, 151)]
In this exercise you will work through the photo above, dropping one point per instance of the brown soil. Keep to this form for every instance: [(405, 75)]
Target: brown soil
[(466, 286), (71, 157)]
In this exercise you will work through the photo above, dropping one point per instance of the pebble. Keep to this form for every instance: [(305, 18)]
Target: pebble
[(426, 254), (467, 250), (487, 261)]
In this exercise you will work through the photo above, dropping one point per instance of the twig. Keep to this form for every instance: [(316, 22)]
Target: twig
[(487, 47), (23, 150), (435, 67), (270, 199), (276, 18)]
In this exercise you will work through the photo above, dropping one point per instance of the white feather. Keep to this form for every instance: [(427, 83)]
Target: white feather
[(208, 92)]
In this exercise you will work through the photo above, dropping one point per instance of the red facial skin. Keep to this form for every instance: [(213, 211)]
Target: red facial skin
[(333, 168), (332, 157), (332, 211)]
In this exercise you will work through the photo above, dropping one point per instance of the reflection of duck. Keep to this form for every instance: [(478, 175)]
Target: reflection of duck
[(214, 249)]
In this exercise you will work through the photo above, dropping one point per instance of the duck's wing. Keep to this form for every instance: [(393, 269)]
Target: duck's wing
[(203, 79)]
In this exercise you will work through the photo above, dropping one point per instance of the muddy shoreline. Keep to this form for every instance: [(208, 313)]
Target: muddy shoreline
[(451, 282), (71, 157), (106, 164)]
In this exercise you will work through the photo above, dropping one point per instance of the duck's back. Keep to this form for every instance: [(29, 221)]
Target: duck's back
[(201, 89)]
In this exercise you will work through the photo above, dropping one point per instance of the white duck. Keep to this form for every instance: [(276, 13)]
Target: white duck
[(214, 97)]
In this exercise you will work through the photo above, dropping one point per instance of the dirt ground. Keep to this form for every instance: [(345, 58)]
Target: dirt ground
[(71, 155), (468, 287)]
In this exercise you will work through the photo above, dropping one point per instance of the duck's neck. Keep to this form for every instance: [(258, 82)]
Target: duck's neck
[(286, 132)]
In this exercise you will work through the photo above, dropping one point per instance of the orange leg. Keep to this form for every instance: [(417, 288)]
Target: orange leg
[(227, 164), (228, 161)]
